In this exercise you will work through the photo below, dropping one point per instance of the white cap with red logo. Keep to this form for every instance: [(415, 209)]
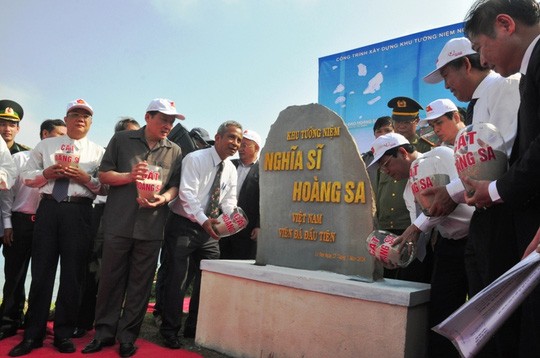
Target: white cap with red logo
[(252, 135), (79, 103), (438, 108), (454, 49), (164, 106), (384, 143)]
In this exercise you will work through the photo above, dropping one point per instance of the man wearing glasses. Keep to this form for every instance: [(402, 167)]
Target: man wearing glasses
[(64, 169), (392, 213), (398, 158)]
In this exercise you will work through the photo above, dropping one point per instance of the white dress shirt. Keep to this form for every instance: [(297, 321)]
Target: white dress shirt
[(243, 171), (498, 104), (8, 171), (199, 169), (493, 192), (42, 157), (20, 198), (454, 226)]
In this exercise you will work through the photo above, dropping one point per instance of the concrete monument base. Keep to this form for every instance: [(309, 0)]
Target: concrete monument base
[(271, 311)]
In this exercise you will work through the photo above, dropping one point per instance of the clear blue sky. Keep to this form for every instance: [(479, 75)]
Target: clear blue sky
[(218, 60)]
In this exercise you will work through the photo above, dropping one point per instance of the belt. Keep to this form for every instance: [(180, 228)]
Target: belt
[(30, 217), (69, 199), (186, 221)]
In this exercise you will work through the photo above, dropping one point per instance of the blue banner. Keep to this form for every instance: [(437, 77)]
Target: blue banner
[(358, 84)]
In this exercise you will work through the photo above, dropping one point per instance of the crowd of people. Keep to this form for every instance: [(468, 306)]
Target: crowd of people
[(71, 201), (465, 239), (88, 214)]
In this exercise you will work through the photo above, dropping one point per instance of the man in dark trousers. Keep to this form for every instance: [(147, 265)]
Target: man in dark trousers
[(505, 34), (64, 169), (207, 187), (243, 245), (133, 224)]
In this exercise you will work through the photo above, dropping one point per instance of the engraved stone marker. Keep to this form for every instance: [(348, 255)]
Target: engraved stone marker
[(316, 199)]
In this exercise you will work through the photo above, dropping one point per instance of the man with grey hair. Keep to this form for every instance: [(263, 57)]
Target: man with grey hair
[(208, 183)]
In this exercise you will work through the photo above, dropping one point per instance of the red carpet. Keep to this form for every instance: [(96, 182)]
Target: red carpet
[(146, 348), (185, 307)]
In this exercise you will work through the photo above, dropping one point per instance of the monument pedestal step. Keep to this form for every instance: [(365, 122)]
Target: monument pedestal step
[(272, 311)]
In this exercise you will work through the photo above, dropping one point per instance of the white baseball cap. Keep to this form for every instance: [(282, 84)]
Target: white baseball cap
[(384, 143), (79, 103), (453, 49), (252, 135), (439, 107), (164, 106)]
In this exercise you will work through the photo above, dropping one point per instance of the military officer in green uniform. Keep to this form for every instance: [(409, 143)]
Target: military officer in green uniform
[(392, 214), (11, 113)]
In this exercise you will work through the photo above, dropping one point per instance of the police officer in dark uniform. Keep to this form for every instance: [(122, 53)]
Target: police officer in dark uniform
[(11, 113)]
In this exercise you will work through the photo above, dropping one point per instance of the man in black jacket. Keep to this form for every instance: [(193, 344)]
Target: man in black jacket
[(505, 34), (243, 245)]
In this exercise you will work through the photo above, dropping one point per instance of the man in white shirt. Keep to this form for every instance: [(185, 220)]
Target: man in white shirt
[(189, 229), (64, 169), (396, 157), (491, 249)]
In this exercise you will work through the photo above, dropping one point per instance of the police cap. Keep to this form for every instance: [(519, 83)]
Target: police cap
[(404, 109)]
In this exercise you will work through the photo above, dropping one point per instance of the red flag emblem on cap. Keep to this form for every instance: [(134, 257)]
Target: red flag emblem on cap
[(81, 101), (172, 104), (429, 109)]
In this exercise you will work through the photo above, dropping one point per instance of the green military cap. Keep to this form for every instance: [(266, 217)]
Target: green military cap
[(404, 109), (11, 110)]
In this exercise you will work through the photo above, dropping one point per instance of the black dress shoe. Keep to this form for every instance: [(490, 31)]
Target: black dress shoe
[(127, 349), (7, 332), (78, 332), (64, 345), (25, 347), (96, 345), (172, 342)]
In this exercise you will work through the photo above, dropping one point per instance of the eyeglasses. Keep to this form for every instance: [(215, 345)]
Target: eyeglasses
[(77, 115), (384, 165)]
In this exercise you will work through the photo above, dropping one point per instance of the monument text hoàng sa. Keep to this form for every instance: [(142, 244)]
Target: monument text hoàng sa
[(316, 199)]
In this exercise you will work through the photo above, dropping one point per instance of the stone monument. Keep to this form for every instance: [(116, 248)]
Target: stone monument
[(316, 200)]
